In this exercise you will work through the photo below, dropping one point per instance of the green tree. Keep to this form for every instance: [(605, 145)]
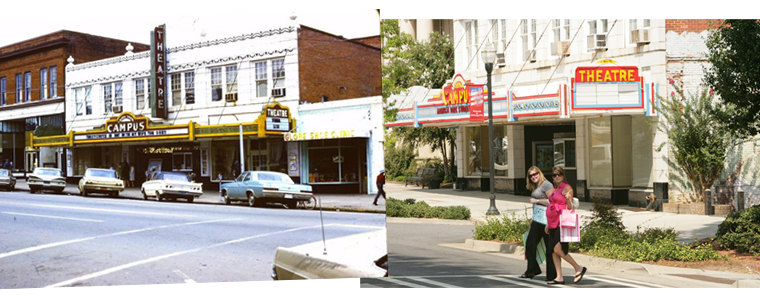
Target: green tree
[(734, 57), (699, 141), (408, 63)]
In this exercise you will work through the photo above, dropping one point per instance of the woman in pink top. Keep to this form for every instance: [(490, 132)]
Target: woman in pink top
[(561, 197)]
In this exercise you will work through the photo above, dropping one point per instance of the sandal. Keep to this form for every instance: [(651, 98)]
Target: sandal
[(578, 277), (555, 282), (526, 276)]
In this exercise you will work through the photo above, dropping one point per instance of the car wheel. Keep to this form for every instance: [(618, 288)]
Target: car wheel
[(84, 193), (226, 197), (32, 190), (158, 196), (251, 200), (145, 196), (190, 199)]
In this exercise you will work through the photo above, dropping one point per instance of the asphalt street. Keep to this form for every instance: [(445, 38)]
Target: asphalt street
[(49, 240)]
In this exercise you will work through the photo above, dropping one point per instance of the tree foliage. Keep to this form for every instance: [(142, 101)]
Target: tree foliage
[(408, 63), (734, 56), (699, 141)]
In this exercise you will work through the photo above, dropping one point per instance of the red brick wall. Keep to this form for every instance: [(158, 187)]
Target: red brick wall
[(53, 50), (335, 67), (689, 25)]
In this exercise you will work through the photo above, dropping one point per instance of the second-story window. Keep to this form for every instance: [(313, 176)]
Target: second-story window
[(19, 88), (180, 88), (261, 78), (43, 83), (231, 79), (278, 74), (216, 84), (83, 101), (142, 93), (112, 96), (557, 29), (108, 98), (2, 90), (567, 29), (176, 88), (27, 86), (190, 87), (53, 82), (524, 37)]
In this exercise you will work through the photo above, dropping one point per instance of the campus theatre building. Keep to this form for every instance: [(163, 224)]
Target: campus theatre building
[(219, 98), (590, 108)]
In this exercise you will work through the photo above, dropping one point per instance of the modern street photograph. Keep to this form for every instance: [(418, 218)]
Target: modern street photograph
[(571, 153), (191, 147)]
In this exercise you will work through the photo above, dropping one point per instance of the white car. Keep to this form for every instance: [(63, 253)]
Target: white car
[(171, 185), (46, 179), (100, 181)]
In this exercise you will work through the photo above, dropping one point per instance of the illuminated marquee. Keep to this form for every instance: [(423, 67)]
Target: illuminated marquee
[(606, 74)]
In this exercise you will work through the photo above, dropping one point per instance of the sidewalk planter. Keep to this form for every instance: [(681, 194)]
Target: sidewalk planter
[(435, 184), (696, 208)]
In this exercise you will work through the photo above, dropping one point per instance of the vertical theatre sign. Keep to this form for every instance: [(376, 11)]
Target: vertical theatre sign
[(158, 72)]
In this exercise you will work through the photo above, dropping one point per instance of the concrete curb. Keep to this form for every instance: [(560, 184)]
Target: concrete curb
[(746, 284), (429, 221)]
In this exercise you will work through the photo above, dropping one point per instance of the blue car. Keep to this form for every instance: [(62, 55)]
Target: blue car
[(259, 187)]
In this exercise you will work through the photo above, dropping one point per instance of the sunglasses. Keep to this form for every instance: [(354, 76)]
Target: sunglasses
[(532, 174), (556, 174)]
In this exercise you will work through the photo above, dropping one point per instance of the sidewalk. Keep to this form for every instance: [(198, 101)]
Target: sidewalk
[(350, 203), (691, 226)]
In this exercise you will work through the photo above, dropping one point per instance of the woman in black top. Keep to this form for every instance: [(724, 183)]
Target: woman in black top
[(540, 188)]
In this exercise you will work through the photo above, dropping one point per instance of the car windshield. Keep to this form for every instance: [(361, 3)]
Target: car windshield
[(3, 172), (274, 177), (47, 172), (174, 177), (101, 173)]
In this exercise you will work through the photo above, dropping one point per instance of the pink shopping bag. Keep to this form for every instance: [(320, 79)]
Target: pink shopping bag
[(570, 234)]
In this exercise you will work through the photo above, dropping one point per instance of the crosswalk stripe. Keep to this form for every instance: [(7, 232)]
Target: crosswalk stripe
[(616, 281), (401, 282), (433, 282), (516, 281), (630, 281)]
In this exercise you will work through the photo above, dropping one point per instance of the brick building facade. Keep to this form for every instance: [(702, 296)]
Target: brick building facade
[(32, 87)]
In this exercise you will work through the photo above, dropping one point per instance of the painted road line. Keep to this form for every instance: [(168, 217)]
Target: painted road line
[(518, 281), (623, 282), (51, 245), (101, 209), (433, 282), (184, 276), (52, 217), (401, 282), (170, 255)]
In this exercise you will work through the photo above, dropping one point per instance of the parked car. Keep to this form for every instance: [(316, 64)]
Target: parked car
[(46, 179), (258, 187), (362, 255), (171, 185), (100, 181), (7, 181)]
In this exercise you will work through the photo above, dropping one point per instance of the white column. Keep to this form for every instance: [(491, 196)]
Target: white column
[(460, 159), (516, 154), (581, 154)]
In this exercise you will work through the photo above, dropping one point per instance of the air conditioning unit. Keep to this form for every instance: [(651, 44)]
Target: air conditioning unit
[(500, 60), (117, 109), (232, 97), (561, 48), (530, 55), (640, 36), (597, 42), (278, 92)]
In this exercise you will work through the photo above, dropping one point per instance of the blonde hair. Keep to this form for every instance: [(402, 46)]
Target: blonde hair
[(532, 186)]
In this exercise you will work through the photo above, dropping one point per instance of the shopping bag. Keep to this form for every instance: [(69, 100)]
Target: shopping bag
[(540, 250), (568, 218), (570, 234), (539, 213)]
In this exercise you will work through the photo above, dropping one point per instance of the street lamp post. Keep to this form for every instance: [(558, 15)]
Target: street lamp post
[(489, 55)]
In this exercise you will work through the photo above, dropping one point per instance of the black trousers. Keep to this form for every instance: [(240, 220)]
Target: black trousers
[(535, 235), (380, 191)]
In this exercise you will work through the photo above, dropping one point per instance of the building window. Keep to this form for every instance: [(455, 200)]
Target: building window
[(261, 78), (223, 77), (501, 146), (2, 90), (564, 153), (646, 23), (43, 83), (142, 92), (503, 35), (524, 37), (108, 98), (189, 87), (224, 155), (216, 84), (468, 36), (495, 33), (176, 88), (474, 163), (27, 86), (567, 29), (19, 89), (633, 22), (53, 82), (278, 73), (334, 161), (475, 50), (82, 100), (557, 29), (182, 162), (231, 79)]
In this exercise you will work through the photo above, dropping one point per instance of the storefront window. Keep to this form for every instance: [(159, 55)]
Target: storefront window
[(600, 153), (473, 152), (501, 147), (267, 154), (642, 133), (335, 161), (225, 159), (182, 161), (564, 154)]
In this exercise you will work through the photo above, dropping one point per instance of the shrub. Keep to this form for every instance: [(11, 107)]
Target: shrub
[(457, 213), (410, 208), (399, 161), (651, 235), (396, 209), (604, 215), (507, 228), (436, 212), (419, 209), (400, 178), (450, 178), (409, 201), (741, 231)]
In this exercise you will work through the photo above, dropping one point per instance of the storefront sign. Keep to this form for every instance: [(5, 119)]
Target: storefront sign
[(158, 72), (126, 122), (127, 127), (278, 118), (476, 104), (606, 74), (324, 135)]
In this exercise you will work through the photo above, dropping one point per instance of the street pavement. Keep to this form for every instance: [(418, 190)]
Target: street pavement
[(691, 227), (334, 202)]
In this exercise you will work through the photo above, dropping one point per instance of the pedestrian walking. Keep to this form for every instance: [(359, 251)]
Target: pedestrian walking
[(131, 175), (540, 191), (124, 170), (561, 197), (380, 182)]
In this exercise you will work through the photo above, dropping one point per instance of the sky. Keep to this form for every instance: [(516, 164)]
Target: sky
[(192, 21)]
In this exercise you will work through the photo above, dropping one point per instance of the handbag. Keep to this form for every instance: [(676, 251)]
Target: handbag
[(568, 218), (540, 250), (570, 234), (539, 214)]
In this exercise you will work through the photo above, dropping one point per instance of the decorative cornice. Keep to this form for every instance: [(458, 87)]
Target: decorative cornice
[(192, 65), (146, 54)]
